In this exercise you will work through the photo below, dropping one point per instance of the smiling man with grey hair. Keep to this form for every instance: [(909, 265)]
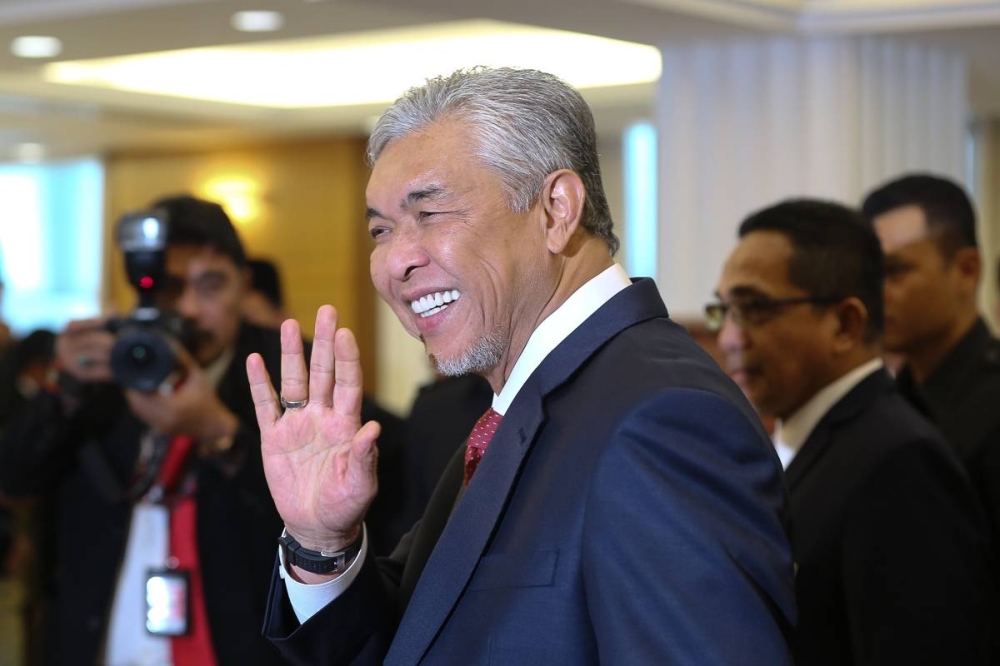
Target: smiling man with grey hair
[(628, 508)]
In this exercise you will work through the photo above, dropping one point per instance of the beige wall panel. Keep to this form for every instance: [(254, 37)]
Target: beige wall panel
[(300, 204)]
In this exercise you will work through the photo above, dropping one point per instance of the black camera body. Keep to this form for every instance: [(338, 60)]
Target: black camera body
[(145, 354)]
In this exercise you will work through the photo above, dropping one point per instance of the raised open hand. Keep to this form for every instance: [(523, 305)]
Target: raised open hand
[(320, 461)]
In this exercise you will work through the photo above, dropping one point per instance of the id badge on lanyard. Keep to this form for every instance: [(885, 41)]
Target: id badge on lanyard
[(168, 602)]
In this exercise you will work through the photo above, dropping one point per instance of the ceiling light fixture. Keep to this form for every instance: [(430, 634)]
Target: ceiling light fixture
[(257, 21), (36, 46), (363, 68)]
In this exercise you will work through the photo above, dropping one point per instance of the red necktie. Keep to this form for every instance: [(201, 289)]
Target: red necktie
[(194, 648), (479, 439)]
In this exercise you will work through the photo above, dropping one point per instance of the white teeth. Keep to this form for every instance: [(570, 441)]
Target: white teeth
[(430, 304)]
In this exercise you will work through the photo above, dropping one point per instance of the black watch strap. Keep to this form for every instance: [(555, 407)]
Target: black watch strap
[(315, 561)]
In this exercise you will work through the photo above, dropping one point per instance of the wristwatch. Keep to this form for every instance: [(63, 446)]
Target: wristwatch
[(316, 561)]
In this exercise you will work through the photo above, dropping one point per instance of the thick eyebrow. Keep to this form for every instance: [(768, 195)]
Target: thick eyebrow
[(210, 276), (430, 192), (747, 292)]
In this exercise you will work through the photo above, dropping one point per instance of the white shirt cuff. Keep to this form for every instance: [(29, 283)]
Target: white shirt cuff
[(307, 600)]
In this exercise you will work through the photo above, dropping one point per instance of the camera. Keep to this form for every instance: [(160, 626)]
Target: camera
[(145, 353)]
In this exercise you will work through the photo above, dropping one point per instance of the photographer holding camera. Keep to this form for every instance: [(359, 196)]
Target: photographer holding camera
[(148, 451)]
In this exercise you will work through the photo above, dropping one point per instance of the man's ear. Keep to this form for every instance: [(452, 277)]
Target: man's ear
[(562, 198), (852, 318), (969, 265)]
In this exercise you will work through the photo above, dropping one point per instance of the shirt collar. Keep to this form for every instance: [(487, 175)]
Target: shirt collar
[(582, 303), (791, 433)]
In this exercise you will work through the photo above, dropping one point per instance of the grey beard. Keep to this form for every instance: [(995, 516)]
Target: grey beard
[(485, 353)]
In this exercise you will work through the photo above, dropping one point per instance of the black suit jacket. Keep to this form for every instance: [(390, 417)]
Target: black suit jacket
[(443, 414), (77, 463), (628, 510), (889, 539)]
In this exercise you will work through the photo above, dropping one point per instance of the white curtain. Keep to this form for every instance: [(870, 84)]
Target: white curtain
[(744, 125)]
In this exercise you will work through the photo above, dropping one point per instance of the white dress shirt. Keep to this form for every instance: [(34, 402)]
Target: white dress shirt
[(148, 547), (307, 600), (790, 434)]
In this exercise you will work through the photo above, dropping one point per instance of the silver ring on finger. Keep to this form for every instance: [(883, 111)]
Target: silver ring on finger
[(293, 404)]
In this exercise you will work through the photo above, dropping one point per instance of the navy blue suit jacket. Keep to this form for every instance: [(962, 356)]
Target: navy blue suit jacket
[(628, 510)]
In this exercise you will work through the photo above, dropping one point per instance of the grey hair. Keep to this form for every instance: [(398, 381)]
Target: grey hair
[(527, 124)]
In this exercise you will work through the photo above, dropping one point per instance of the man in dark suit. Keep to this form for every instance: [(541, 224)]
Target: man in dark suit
[(440, 420), (627, 507), (888, 535), (154, 490), (951, 371)]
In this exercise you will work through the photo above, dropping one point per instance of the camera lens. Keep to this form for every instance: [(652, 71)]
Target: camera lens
[(143, 357)]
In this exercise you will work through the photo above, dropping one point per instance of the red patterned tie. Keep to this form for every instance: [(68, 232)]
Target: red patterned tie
[(479, 439)]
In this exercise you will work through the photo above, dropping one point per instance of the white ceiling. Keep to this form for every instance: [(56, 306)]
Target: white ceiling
[(72, 121)]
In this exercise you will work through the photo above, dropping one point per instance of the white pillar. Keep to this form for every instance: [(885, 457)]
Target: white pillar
[(986, 170), (744, 125)]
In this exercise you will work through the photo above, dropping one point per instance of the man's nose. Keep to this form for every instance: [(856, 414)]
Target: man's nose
[(732, 336), (187, 304), (405, 253)]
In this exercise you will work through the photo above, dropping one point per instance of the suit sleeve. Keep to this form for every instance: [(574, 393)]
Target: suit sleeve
[(41, 442), (355, 628), (685, 557), (915, 570)]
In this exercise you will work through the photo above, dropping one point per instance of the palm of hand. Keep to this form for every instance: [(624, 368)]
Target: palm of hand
[(309, 468), (319, 460)]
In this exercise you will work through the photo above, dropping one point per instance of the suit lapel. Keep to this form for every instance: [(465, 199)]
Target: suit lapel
[(468, 532), (846, 408)]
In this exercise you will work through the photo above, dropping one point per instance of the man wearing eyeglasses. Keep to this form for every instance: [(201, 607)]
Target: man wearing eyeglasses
[(887, 532)]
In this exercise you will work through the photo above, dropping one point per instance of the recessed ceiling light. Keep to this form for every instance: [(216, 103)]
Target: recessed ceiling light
[(29, 153), (36, 46), (257, 21)]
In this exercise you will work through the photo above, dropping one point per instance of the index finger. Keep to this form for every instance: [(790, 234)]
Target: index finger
[(78, 326), (349, 381), (265, 400)]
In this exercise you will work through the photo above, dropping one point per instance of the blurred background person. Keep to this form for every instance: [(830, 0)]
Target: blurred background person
[(13, 539), (161, 490), (951, 362), (887, 532), (6, 337), (951, 371), (264, 302), (28, 370), (31, 366), (443, 414)]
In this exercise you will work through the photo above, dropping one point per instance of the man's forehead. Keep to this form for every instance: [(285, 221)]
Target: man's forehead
[(759, 263), (199, 258), (901, 227)]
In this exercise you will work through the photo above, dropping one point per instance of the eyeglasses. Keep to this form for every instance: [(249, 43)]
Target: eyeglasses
[(756, 311)]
